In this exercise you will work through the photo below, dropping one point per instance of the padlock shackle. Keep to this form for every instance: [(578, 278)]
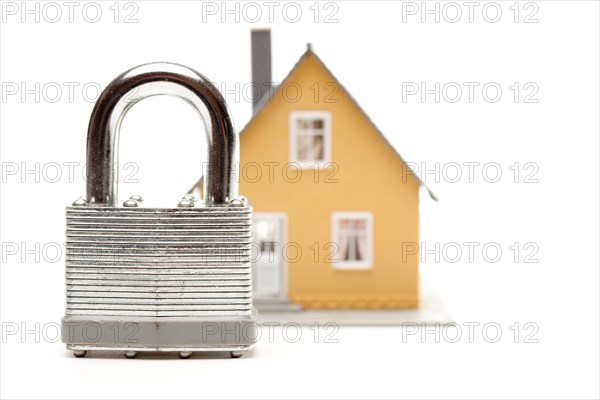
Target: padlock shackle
[(153, 79)]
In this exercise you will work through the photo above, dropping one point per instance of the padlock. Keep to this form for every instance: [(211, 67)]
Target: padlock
[(159, 279)]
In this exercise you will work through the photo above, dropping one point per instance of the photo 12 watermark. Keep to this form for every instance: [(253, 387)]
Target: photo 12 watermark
[(281, 172), (260, 12), (470, 92), (452, 12), (470, 332), (292, 92), (489, 252), (473, 172), (27, 172), (54, 12)]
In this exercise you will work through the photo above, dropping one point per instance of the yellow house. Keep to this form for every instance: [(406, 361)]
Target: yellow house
[(333, 201)]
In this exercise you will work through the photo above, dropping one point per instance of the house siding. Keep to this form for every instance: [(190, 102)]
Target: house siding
[(370, 178)]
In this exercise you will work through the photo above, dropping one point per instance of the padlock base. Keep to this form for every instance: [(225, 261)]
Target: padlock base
[(234, 334), (131, 352)]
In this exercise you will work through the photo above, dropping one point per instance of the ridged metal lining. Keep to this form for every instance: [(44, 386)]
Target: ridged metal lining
[(158, 262)]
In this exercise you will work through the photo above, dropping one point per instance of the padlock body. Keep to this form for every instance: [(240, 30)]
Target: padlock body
[(159, 279)]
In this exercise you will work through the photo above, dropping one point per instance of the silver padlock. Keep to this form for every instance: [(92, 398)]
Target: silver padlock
[(159, 279)]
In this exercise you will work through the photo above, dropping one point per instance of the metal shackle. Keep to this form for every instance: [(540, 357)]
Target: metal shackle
[(149, 80)]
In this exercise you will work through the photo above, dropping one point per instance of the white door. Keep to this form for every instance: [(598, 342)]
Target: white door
[(269, 235)]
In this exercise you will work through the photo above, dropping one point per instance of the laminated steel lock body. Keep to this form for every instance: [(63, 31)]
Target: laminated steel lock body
[(159, 279)]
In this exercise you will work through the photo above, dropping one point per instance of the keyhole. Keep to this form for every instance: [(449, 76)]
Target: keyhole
[(161, 151)]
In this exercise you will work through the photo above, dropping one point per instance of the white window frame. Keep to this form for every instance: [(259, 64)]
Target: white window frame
[(365, 264), (326, 117)]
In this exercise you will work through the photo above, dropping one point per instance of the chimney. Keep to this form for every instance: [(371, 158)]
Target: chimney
[(261, 65)]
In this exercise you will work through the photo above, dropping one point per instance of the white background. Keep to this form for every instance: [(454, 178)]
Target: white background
[(372, 52)]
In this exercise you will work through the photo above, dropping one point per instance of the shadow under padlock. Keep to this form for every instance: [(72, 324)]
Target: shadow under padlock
[(159, 279)]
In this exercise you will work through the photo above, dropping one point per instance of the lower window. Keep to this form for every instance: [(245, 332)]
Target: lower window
[(352, 234)]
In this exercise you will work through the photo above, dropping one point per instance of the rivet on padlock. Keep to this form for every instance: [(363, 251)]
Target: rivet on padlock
[(133, 201), (187, 201), (160, 279)]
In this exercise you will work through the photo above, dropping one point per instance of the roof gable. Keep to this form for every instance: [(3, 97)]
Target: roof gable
[(268, 97)]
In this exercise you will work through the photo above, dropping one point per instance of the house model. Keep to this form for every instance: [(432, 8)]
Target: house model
[(333, 201)]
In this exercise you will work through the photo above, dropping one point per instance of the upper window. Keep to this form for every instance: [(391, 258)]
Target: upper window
[(353, 236), (310, 138)]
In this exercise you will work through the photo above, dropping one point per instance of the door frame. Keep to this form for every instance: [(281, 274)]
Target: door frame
[(283, 273)]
